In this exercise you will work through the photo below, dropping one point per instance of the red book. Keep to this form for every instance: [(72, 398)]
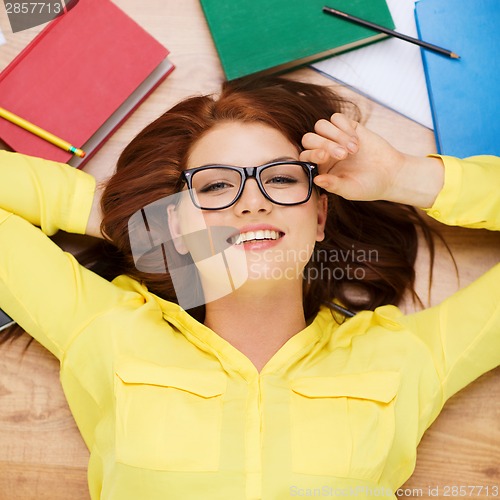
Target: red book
[(79, 79)]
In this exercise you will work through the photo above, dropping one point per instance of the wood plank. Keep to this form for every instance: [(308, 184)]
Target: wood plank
[(25, 481), (462, 447)]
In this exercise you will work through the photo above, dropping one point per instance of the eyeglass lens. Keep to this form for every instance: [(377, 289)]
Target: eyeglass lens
[(219, 187)]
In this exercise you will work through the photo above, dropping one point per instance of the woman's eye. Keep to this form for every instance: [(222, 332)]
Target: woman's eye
[(216, 186), (281, 179)]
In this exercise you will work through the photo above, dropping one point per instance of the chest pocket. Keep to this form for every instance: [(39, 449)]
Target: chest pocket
[(343, 426), (168, 418)]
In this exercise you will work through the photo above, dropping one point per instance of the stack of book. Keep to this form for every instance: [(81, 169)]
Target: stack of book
[(79, 79)]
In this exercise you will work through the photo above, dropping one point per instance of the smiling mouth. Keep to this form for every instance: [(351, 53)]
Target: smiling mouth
[(261, 234)]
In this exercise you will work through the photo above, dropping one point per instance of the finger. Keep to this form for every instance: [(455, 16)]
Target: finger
[(338, 130), (328, 182), (314, 141), (333, 184), (344, 123), (321, 157), (318, 156)]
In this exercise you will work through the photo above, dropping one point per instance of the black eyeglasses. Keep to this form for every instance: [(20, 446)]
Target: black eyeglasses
[(214, 187)]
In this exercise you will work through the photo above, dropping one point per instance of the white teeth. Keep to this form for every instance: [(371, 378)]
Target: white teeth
[(255, 235)]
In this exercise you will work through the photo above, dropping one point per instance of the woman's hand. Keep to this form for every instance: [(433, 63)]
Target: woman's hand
[(358, 164)]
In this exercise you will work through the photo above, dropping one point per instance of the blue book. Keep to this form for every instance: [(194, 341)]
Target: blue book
[(464, 93)]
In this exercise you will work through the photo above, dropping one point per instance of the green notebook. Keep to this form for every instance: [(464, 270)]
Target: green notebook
[(256, 36)]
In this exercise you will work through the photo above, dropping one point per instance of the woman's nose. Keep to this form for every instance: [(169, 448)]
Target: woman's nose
[(252, 200)]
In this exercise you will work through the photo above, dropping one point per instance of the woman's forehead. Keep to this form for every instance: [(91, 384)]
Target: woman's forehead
[(240, 144)]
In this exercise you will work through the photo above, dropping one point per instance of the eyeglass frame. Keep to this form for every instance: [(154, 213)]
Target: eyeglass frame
[(251, 173)]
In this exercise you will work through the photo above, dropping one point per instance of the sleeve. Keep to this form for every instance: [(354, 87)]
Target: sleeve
[(47, 194), (43, 288), (463, 332), (470, 195)]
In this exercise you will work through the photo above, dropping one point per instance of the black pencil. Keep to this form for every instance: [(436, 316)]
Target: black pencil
[(376, 27)]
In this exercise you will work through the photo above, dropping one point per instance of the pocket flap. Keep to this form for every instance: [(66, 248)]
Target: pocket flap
[(200, 382), (381, 386)]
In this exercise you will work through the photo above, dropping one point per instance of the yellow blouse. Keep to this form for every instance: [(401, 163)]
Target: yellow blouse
[(168, 409)]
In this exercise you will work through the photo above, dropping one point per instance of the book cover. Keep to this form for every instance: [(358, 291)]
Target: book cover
[(390, 72), (79, 79), (256, 36), (464, 93)]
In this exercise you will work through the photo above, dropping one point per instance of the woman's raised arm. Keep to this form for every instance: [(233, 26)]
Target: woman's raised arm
[(463, 332), (42, 288)]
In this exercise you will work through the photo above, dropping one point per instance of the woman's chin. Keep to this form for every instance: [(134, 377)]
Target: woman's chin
[(256, 277)]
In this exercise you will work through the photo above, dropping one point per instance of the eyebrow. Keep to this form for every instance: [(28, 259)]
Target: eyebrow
[(279, 158), (282, 158)]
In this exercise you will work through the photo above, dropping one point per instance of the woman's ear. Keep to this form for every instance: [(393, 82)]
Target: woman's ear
[(322, 214), (174, 227)]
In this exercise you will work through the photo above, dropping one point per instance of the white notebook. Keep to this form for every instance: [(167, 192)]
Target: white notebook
[(389, 72)]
